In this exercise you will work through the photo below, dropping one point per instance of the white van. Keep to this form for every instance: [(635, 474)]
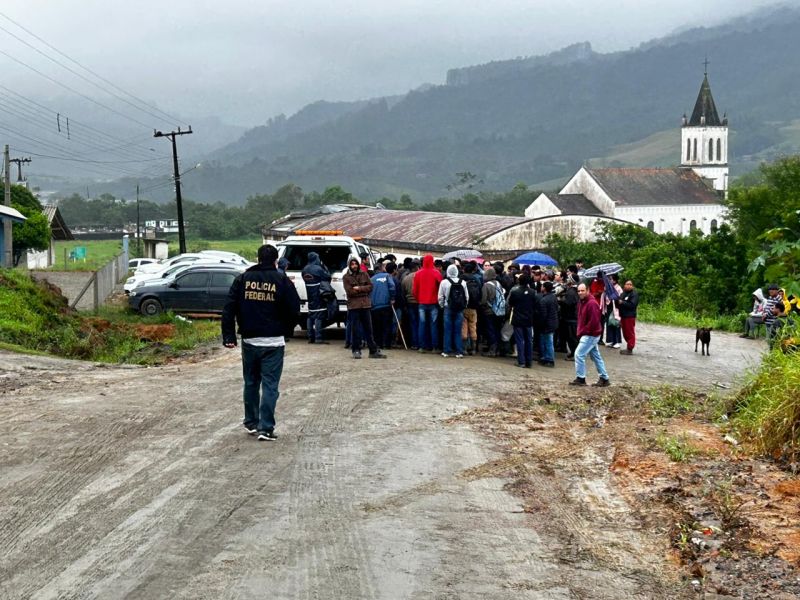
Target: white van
[(333, 250)]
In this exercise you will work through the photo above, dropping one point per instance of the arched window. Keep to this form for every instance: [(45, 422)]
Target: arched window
[(688, 149), (692, 225), (711, 149), (695, 148), (651, 226), (719, 149), (713, 224)]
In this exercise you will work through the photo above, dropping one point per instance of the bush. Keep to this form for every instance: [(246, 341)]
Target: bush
[(767, 409)]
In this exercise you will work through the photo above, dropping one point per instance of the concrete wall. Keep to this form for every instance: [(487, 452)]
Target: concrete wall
[(532, 234)]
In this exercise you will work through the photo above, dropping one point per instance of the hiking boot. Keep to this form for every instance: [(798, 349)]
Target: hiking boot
[(267, 436), (250, 429), (578, 381), (376, 354), (601, 383), (357, 354), (626, 351)]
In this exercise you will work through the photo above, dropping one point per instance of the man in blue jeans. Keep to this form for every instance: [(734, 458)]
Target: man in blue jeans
[(425, 288), (266, 305), (453, 295), (590, 328)]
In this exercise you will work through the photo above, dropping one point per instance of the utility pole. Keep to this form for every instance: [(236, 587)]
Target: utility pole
[(138, 227), (8, 241), (19, 162), (171, 135)]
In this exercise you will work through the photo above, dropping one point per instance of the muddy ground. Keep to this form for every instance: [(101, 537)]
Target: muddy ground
[(414, 477)]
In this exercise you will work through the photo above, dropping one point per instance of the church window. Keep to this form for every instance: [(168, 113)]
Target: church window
[(688, 149), (713, 224), (695, 148), (719, 148), (711, 149), (651, 226), (692, 225)]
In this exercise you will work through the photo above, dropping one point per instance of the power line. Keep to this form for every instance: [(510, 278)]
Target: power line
[(101, 78)]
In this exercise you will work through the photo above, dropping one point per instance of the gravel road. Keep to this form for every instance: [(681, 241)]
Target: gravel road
[(140, 482)]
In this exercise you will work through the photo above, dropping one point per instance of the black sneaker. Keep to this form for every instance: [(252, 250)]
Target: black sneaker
[(578, 381), (377, 354), (310, 341), (357, 354), (250, 429), (267, 436), (601, 383)]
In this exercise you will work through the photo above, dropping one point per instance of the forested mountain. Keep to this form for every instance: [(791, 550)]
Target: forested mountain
[(533, 120)]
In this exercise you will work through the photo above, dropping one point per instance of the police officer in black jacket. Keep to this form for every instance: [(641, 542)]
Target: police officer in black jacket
[(266, 305)]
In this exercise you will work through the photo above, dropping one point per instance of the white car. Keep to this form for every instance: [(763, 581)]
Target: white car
[(188, 257), (135, 263), (333, 250), (139, 279)]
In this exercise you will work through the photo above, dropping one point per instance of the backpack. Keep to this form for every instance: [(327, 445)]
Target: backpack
[(499, 303), (456, 297), (474, 292)]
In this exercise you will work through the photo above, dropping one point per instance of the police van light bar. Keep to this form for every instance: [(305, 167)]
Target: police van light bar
[(320, 232)]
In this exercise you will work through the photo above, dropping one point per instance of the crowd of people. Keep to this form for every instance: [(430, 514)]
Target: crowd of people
[(462, 308)]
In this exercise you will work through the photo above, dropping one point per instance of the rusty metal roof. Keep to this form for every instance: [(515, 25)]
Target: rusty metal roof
[(404, 227), (654, 187)]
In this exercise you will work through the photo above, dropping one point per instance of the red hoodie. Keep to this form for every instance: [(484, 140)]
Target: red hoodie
[(589, 317), (426, 282)]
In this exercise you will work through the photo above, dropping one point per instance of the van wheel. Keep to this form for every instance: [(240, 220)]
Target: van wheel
[(151, 307)]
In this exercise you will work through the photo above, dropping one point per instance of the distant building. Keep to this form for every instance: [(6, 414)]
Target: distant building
[(676, 200)]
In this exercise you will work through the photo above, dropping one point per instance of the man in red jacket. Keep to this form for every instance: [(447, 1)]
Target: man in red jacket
[(426, 290), (590, 328)]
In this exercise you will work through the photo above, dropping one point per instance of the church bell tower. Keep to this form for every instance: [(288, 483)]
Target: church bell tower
[(704, 139)]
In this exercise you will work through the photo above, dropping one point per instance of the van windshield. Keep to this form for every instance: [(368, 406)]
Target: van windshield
[(333, 257)]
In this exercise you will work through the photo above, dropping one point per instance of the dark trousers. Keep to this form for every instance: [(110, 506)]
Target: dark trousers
[(382, 323), (571, 336), (412, 321), (261, 370), (523, 337), (360, 321)]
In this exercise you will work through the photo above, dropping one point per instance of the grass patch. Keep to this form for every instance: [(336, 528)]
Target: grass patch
[(98, 254), (668, 401), (35, 318), (767, 409), (677, 447), (665, 314)]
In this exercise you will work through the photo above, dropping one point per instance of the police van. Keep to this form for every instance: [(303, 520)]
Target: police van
[(334, 249)]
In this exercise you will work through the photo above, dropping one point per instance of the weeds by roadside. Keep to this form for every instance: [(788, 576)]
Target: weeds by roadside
[(677, 447), (666, 314)]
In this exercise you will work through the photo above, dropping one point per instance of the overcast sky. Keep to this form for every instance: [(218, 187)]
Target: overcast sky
[(247, 60)]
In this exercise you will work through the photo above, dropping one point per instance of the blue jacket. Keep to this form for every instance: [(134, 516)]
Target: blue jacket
[(383, 290), (314, 273)]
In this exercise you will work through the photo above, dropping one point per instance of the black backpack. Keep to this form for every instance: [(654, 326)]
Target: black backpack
[(474, 290), (456, 298)]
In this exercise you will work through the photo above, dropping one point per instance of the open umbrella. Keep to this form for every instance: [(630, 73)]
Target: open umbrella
[(536, 258), (606, 268), (463, 254)]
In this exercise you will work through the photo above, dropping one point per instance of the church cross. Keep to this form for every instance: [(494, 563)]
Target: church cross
[(705, 66)]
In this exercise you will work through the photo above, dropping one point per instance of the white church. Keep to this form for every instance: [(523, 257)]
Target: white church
[(676, 200)]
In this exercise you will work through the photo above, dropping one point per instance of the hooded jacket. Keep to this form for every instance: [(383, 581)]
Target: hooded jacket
[(489, 290), (523, 302), (407, 285), (425, 287), (759, 304), (263, 302), (451, 280), (548, 312), (313, 274), (357, 299)]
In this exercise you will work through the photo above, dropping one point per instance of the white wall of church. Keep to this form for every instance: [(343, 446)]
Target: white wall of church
[(532, 234), (674, 219), (705, 149), (541, 207), (583, 183)]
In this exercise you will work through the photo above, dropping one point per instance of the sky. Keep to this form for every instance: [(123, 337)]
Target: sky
[(247, 60)]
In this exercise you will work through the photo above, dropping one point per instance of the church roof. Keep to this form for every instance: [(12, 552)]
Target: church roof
[(654, 187), (705, 107), (574, 204)]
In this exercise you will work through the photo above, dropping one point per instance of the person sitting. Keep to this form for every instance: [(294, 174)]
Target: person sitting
[(756, 316)]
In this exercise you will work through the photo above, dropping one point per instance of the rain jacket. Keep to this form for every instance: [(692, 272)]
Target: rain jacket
[(523, 302), (426, 282), (628, 301), (383, 290), (313, 274), (759, 304), (548, 312), (489, 290), (407, 285)]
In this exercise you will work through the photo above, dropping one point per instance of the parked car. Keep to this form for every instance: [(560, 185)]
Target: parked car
[(135, 263), (196, 289), (333, 250), (187, 257), (140, 279)]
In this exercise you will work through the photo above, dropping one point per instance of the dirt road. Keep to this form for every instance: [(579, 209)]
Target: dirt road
[(141, 483)]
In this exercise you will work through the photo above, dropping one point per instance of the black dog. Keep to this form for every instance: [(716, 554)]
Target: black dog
[(703, 335)]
